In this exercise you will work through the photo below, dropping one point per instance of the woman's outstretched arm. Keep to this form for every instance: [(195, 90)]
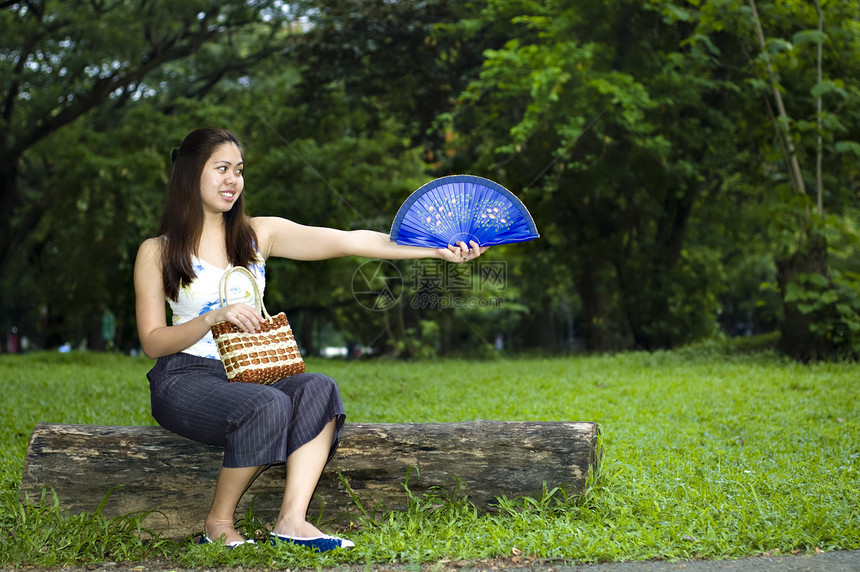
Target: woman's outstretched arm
[(286, 239)]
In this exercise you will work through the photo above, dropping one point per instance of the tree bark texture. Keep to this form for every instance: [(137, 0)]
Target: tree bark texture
[(151, 469)]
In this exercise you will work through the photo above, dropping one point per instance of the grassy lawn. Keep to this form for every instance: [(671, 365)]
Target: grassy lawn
[(715, 451)]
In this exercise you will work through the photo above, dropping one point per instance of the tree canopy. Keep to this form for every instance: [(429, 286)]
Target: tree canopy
[(692, 165)]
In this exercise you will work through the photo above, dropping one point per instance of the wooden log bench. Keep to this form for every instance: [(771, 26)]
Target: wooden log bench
[(155, 470)]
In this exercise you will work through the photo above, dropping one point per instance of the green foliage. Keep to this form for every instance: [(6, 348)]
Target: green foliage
[(815, 128), (360, 47), (643, 136), (718, 450), (89, 98), (565, 103), (835, 308)]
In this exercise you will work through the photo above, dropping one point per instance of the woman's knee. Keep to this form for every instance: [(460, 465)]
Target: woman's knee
[(276, 407), (308, 384), (322, 383)]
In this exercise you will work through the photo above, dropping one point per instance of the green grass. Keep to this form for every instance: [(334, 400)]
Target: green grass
[(716, 451)]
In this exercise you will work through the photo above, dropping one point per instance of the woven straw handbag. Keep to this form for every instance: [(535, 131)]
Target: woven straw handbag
[(264, 356)]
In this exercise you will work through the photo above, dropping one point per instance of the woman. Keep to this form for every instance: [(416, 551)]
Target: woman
[(204, 230)]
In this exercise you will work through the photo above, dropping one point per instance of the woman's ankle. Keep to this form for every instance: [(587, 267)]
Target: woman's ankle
[(221, 531)]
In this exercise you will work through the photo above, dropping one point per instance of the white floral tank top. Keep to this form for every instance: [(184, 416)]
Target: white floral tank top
[(202, 296)]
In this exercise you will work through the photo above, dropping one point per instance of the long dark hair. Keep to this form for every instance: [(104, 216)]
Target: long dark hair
[(182, 220)]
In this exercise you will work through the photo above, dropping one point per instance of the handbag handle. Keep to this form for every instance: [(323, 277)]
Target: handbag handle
[(258, 298)]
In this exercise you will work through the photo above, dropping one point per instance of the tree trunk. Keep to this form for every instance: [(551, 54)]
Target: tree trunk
[(782, 126), (539, 328), (602, 331), (151, 469), (798, 340), (9, 193)]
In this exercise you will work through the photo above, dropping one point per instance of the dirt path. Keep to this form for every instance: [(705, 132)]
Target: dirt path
[(837, 561)]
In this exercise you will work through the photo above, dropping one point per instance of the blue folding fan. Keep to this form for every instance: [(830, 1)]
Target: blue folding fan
[(462, 207)]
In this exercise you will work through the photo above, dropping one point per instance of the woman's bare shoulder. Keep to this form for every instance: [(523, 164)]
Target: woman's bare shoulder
[(269, 229), (151, 248)]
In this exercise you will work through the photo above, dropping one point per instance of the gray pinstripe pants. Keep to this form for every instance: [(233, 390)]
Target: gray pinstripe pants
[(256, 424)]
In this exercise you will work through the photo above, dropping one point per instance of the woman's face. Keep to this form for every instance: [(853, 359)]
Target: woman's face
[(221, 181)]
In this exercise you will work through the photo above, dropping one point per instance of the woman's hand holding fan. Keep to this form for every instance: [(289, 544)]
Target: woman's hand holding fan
[(462, 252)]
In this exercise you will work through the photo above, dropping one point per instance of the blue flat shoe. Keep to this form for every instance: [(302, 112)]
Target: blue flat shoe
[(322, 543), (231, 545)]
